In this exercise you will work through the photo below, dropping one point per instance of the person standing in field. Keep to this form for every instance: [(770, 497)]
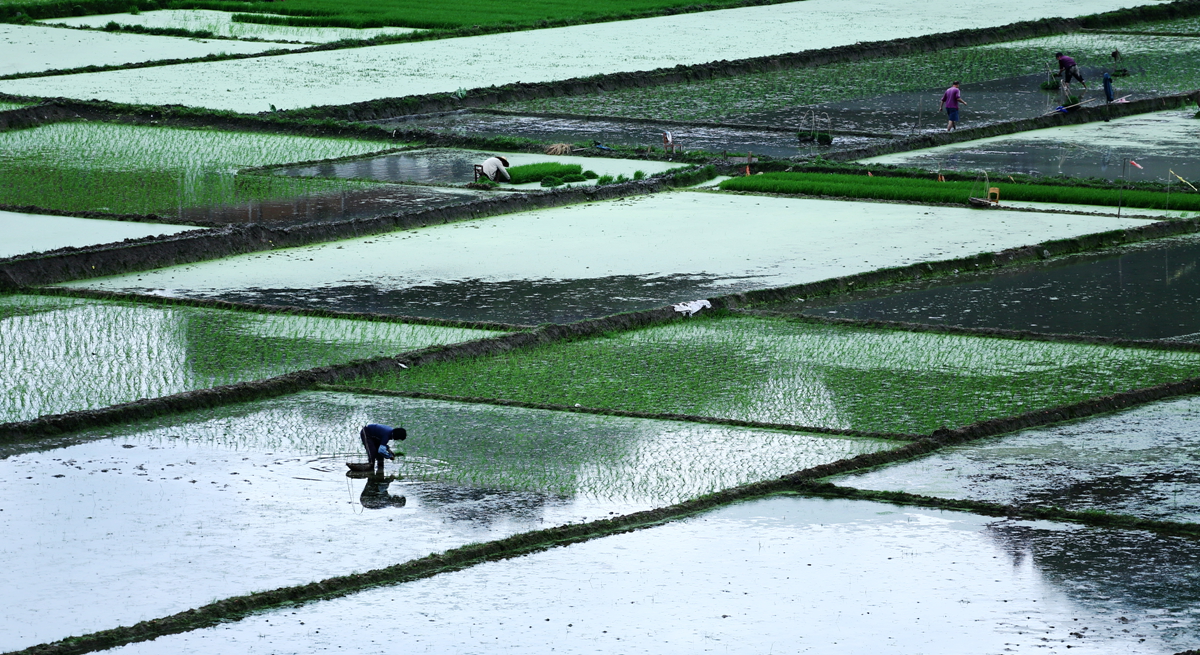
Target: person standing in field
[(375, 438), (951, 99), (495, 168), (1069, 71)]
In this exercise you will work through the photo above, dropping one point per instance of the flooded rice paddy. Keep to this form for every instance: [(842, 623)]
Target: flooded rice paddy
[(138, 169), (1145, 292), (66, 354), (451, 166), (368, 201), (613, 132), (256, 496), (780, 371), (1160, 143), (220, 23), (29, 233), (594, 259), (343, 76), (1140, 461), (794, 574), (36, 48)]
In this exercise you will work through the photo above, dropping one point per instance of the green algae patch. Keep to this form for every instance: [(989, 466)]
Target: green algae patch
[(771, 370)]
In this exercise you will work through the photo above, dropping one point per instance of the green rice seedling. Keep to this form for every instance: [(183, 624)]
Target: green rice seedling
[(639, 175), (591, 175), (65, 354), (930, 190), (157, 170), (574, 178), (604, 179), (537, 172), (804, 374), (551, 181)]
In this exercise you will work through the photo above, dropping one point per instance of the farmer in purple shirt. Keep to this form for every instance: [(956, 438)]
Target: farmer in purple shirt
[(1068, 70), (951, 99)]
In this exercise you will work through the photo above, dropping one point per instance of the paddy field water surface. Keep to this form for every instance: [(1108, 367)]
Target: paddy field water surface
[(30, 233), (780, 371), (1140, 461), (66, 354), (361, 74), (36, 48), (821, 576), (137, 169), (1148, 291), (221, 23), (594, 259), (255, 496), (1160, 143)]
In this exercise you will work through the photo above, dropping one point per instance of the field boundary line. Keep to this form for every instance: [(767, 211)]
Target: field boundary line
[(746, 127), (996, 333), (73, 264), (287, 310), (624, 413), (53, 425), (803, 482)]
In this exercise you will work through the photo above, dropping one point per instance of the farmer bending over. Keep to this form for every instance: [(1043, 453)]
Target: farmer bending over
[(375, 438), (495, 167), (951, 99), (1068, 70)]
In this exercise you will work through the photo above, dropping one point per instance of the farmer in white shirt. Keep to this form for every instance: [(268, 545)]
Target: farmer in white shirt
[(494, 168)]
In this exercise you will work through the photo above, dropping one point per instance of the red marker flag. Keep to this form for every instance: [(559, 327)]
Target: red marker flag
[(869, 174), (1135, 163)]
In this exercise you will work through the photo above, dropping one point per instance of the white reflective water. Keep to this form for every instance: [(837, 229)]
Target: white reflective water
[(782, 575), (30, 233)]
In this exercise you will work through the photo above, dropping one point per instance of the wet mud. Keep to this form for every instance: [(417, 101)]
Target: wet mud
[(1150, 291)]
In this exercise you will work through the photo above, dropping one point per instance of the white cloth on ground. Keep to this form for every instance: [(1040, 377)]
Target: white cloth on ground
[(691, 307)]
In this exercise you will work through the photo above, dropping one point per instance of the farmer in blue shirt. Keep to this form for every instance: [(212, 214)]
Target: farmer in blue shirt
[(375, 438)]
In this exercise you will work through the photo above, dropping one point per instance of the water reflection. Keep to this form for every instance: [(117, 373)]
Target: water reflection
[(1147, 292), (1151, 582), (340, 206), (445, 166), (375, 494), (523, 302)]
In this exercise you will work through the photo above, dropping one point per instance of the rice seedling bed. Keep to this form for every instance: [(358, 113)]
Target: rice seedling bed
[(955, 192), (1139, 462), (447, 66), (222, 23), (1161, 142), (1189, 26), (895, 94), (36, 48), (29, 233), (585, 131), (454, 166), (778, 371), (778, 570), (1144, 292), (66, 354), (181, 495), (569, 263), (135, 169)]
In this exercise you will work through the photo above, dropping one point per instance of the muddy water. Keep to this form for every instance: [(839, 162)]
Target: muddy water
[(782, 574), (1148, 292), (1140, 462), (224, 502), (1159, 143), (346, 205), (610, 132)]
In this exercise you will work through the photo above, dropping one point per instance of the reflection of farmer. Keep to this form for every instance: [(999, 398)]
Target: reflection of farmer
[(1068, 70), (375, 494), (495, 168), (375, 438)]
